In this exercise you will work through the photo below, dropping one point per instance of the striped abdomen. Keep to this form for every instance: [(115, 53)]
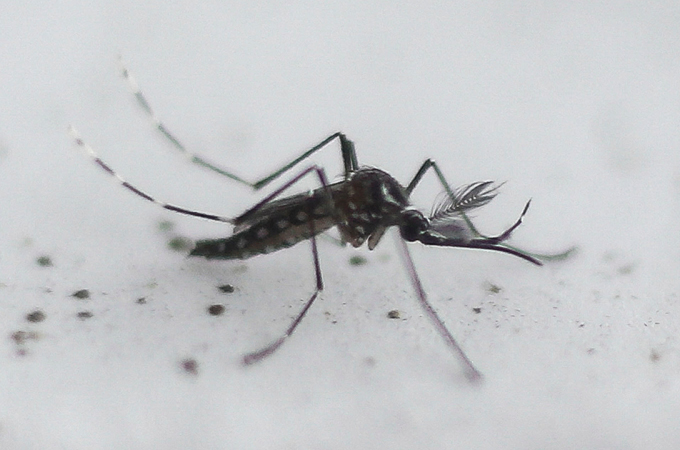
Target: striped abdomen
[(279, 224)]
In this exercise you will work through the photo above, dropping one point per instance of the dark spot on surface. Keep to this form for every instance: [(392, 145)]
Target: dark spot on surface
[(166, 226), (394, 314), (44, 261), (81, 294), (493, 288), (141, 301), (370, 361), (216, 310), (35, 316), (226, 288), (190, 366), (654, 356), (626, 269), (590, 351), (20, 337), (477, 310), (180, 244), (82, 315), (357, 260)]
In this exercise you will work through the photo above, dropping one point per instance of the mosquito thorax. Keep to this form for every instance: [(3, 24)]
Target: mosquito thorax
[(413, 224), (367, 202)]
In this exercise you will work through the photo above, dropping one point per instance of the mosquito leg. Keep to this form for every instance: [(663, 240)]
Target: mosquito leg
[(254, 357), (349, 156), (259, 355), (472, 374), (428, 164), (160, 126), (349, 159), (93, 155)]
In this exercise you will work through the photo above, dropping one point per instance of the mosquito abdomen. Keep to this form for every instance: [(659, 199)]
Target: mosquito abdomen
[(282, 229)]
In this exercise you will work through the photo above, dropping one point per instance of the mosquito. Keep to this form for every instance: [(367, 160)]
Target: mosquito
[(362, 206)]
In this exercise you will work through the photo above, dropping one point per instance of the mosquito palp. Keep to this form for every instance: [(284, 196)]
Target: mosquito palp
[(362, 206)]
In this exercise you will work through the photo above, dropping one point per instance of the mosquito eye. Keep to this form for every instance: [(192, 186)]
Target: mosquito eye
[(414, 223)]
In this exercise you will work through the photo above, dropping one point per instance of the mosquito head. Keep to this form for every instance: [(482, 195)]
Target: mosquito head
[(413, 225)]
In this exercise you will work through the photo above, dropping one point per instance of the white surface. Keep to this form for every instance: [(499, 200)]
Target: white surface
[(577, 106)]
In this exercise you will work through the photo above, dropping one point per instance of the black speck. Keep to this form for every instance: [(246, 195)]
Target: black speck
[(141, 301), (357, 260), (180, 244), (226, 288), (81, 294), (44, 261), (394, 314), (216, 310), (35, 316), (477, 310), (84, 315), (190, 366)]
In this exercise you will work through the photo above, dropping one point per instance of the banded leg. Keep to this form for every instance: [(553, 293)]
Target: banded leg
[(349, 156), (259, 355), (97, 160), (471, 372)]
